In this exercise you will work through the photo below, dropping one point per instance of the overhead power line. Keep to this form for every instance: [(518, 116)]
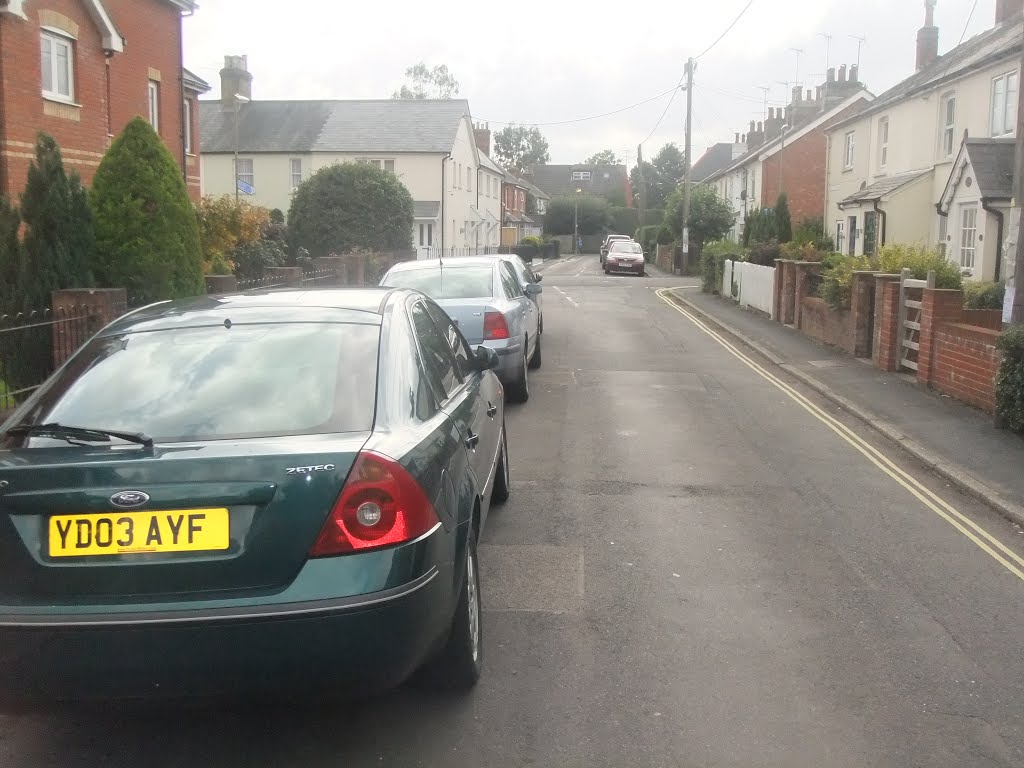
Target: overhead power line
[(727, 30), (665, 111), (582, 119)]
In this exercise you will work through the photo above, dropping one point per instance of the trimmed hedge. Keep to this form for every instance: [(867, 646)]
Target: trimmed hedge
[(623, 220), (984, 295), (1010, 379)]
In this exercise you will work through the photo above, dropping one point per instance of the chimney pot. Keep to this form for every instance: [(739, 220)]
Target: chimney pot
[(743, 138), (842, 73), (831, 74), (751, 129), (854, 74), (760, 127), (235, 78), (737, 139), (810, 95)]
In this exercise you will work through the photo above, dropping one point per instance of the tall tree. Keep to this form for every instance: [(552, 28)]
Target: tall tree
[(518, 147), (710, 219), (671, 165), (783, 223), (10, 258), (59, 240), (427, 83), (350, 206), (604, 157), (146, 229), (651, 181)]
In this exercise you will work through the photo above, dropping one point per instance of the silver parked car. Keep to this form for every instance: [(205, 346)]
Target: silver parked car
[(526, 275), (482, 294)]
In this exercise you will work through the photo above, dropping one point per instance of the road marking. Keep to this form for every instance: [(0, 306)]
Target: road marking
[(566, 296), (982, 538)]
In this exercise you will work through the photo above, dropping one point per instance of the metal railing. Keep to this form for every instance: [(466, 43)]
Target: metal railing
[(321, 278), (34, 344)]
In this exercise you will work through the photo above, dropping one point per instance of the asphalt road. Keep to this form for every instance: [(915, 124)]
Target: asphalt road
[(696, 569)]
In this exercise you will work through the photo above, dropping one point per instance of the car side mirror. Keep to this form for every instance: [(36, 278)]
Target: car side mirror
[(539, 277), (533, 289), (486, 359)]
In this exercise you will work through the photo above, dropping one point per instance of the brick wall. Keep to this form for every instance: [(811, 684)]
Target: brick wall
[(887, 335), (819, 321), (107, 93), (803, 171), (965, 363)]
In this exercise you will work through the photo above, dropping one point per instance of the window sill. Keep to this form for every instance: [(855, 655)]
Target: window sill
[(55, 99), (62, 109), (848, 169)]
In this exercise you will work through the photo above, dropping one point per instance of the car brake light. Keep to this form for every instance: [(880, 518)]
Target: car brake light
[(381, 505), (495, 326)]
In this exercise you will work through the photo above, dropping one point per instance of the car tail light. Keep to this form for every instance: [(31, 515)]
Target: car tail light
[(495, 326), (381, 505)]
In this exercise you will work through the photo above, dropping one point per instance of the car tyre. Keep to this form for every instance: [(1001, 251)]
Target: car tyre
[(519, 391), (502, 475), (536, 360), (459, 664)]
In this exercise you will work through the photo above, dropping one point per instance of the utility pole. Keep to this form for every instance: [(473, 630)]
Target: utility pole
[(1016, 301), (640, 178), (685, 255)]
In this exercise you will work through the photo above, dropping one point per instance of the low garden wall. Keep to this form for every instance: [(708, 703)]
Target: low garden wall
[(965, 362)]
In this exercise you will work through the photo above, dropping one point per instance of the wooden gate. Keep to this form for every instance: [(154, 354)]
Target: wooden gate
[(911, 301)]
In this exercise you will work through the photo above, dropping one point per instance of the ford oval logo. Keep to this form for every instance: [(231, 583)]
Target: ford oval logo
[(129, 499)]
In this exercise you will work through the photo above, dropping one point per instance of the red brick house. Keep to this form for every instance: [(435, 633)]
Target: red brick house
[(513, 210), (81, 69)]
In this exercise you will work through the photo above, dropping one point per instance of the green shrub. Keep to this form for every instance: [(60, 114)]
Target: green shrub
[(711, 268), (837, 278), (648, 238), (984, 295), (147, 235), (59, 243), (252, 259), (798, 251), (760, 227), (1010, 379), (783, 224), (533, 240), (653, 217), (892, 259), (812, 230), (623, 220), (562, 212), (350, 206), (765, 254)]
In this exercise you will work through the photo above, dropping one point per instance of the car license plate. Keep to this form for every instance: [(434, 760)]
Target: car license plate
[(127, 533)]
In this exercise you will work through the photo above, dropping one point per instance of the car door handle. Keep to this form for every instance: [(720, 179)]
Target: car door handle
[(492, 410), (472, 440)]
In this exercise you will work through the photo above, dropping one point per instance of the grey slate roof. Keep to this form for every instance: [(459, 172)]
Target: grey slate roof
[(490, 165), (717, 158), (992, 160), (426, 209), (383, 125), (986, 48), (883, 187), (557, 180)]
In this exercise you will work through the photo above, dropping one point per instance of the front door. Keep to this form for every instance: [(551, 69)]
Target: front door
[(870, 232), (853, 235)]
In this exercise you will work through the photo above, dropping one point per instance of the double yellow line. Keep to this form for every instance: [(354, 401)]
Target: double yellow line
[(1006, 557)]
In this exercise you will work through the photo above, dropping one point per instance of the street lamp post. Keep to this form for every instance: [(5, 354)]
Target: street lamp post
[(239, 100)]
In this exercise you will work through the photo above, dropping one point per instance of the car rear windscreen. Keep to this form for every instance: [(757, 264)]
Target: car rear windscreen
[(220, 382), (447, 282)]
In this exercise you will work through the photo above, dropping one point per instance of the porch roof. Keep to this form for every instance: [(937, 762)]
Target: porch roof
[(883, 188), (426, 209)]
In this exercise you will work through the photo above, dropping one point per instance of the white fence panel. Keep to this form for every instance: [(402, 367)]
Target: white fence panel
[(726, 287), (757, 286)]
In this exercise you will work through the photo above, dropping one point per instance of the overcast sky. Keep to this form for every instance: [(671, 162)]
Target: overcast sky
[(543, 61)]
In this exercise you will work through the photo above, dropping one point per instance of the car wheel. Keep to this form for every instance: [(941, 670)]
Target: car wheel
[(536, 360), (502, 476), (458, 666), (519, 391), (642, 273)]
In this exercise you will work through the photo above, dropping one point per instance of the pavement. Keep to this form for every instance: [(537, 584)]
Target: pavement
[(704, 562), (958, 441)]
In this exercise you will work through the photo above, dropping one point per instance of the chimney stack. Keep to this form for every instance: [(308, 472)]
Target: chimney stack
[(831, 74), (927, 37), (1007, 9), (235, 78), (737, 139), (482, 134), (798, 94)]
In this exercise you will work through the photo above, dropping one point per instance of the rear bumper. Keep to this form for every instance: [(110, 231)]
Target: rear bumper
[(352, 645), (636, 268)]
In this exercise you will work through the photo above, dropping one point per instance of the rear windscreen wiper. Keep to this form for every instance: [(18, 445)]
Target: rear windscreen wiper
[(89, 435)]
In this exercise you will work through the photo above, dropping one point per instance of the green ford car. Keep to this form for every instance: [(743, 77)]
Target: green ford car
[(249, 494)]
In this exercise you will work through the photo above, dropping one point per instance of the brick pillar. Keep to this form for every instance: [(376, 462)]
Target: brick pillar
[(801, 270), (788, 308), (219, 284), (78, 313), (356, 263), (334, 264), (887, 317), (862, 308), (938, 305), (290, 276), (777, 292)]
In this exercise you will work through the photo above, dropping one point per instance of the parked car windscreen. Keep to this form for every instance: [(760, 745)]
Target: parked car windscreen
[(445, 282), (220, 382), (626, 246)]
